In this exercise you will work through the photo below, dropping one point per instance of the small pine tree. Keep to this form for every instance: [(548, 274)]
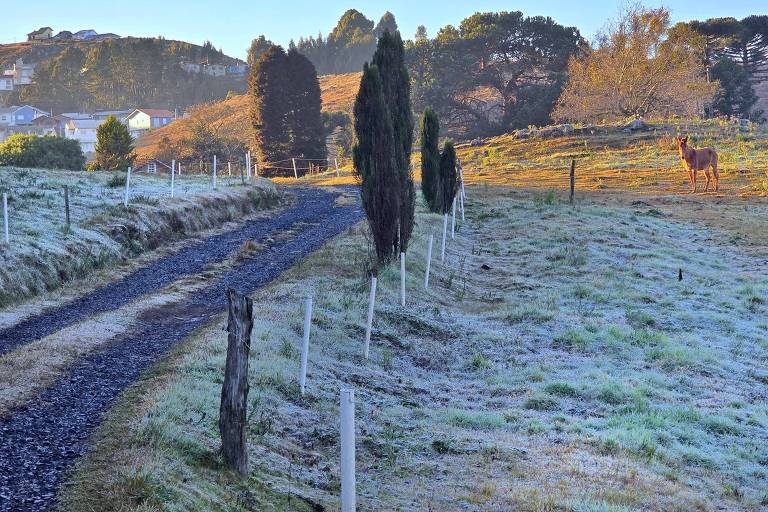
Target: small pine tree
[(114, 146), (449, 178), (375, 166), (390, 60), (430, 160)]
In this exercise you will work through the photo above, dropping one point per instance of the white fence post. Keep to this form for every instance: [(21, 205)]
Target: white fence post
[(5, 218), (248, 164), (214, 172), (445, 233), (453, 219), (336, 162), (179, 169), (402, 279), (348, 450), (295, 173), (229, 168), (173, 175), (429, 260), (305, 343), (369, 322), (256, 169), (127, 187)]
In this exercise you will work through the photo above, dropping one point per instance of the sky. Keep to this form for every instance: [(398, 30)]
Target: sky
[(231, 24)]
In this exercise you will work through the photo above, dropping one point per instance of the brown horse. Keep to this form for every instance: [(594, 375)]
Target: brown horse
[(695, 160)]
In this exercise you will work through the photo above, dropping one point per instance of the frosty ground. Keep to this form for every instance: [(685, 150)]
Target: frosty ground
[(556, 363)]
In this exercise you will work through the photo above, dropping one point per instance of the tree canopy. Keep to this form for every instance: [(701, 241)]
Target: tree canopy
[(114, 146)]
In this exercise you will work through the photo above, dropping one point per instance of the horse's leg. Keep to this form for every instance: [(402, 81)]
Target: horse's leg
[(714, 172), (693, 181), (709, 178)]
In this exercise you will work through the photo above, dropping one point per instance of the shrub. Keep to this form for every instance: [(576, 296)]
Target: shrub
[(47, 152), (114, 145)]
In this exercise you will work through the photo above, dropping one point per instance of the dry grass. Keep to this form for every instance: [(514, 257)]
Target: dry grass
[(571, 372), (230, 117)]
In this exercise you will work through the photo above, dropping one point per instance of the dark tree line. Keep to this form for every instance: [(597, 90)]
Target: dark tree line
[(123, 73), (285, 109)]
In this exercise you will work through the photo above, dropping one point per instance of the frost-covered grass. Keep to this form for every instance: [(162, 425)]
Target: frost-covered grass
[(44, 252), (556, 363)]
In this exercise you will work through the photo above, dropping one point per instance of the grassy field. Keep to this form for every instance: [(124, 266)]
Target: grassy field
[(44, 252), (557, 363)]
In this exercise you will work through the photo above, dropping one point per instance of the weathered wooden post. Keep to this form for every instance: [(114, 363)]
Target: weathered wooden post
[(445, 233), (214, 172), (5, 218), (348, 450), (295, 173), (305, 343), (429, 261), (173, 177), (127, 188), (369, 321), (256, 169), (234, 391), (573, 179), (66, 204)]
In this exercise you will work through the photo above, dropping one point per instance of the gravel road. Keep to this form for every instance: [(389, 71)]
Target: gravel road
[(40, 440)]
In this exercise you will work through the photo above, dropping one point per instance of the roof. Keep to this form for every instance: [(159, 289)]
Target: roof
[(153, 112), (9, 110), (40, 31), (84, 124)]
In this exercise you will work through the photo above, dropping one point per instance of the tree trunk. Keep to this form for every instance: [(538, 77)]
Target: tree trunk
[(234, 392)]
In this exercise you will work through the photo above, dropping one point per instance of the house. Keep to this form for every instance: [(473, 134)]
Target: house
[(6, 83), (237, 69), (20, 73), (84, 35), (76, 115), (119, 114), (83, 131), (151, 165), (40, 126), (190, 67), (40, 34), (15, 115), (215, 69), (64, 35), (143, 119)]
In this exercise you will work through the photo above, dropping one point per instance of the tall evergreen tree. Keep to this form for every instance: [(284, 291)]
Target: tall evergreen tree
[(114, 146), (375, 166), (449, 178), (268, 83), (430, 159), (735, 96), (390, 60), (305, 121)]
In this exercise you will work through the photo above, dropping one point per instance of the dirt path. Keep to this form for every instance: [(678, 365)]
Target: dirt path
[(40, 440)]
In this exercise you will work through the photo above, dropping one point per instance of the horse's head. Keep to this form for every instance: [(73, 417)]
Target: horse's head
[(682, 146)]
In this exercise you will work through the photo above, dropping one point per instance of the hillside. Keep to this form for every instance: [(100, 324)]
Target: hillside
[(230, 117)]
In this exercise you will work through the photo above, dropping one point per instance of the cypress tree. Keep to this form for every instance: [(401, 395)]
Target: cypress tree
[(449, 178), (114, 146), (390, 60), (430, 160), (375, 165), (305, 121), (268, 82)]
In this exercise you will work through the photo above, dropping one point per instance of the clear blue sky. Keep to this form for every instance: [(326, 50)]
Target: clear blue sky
[(231, 24)]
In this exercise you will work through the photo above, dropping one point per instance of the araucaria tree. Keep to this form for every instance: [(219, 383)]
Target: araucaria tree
[(449, 179), (374, 161), (285, 108), (389, 58), (114, 146), (635, 70), (430, 160)]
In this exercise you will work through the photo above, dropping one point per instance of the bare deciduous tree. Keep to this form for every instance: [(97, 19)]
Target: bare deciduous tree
[(635, 70)]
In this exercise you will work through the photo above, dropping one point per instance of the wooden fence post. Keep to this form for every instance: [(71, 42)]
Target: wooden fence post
[(66, 204), (573, 179), (234, 391)]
